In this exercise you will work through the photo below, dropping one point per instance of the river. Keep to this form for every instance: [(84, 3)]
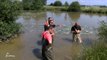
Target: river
[(27, 46)]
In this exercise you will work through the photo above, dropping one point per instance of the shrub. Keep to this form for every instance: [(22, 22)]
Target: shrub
[(33, 4), (102, 31), (9, 10), (8, 29), (57, 3), (66, 4), (74, 6), (97, 52)]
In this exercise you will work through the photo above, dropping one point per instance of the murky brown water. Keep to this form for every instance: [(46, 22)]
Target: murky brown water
[(27, 46)]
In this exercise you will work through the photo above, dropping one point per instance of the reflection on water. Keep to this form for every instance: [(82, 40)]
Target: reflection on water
[(74, 16), (27, 44), (75, 50)]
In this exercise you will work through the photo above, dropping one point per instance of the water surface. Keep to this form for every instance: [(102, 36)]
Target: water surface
[(27, 46)]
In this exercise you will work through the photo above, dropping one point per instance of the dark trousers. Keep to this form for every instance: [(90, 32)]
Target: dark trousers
[(47, 53)]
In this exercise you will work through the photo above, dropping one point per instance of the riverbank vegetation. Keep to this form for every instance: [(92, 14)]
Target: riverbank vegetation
[(94, 9), (98, 51), (33, 4), (9, 10), (74, 6)]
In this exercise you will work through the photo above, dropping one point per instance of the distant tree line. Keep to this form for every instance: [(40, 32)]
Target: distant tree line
[(74, 6), (59, 3)]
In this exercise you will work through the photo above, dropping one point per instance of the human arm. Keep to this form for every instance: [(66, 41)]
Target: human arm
[(78, 29), (49, 38), (72, 30)]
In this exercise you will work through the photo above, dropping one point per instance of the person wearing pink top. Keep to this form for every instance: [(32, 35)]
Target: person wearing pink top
[(47, 44)]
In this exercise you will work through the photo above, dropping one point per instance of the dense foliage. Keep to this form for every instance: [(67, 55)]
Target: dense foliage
[(102, 31), (33, 4), (57, 3), (98, 51), (7, 30), (66, 4), (74, 6), (51, 4), (9, 10), (44, 2)]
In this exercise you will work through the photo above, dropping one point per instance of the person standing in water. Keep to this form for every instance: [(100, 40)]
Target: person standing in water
[(46, 24), (47, 44), (50, 23), (76, 30)]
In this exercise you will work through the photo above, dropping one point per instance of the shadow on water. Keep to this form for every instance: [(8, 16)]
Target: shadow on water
[(87, 42), (37, 53), (39, 42)]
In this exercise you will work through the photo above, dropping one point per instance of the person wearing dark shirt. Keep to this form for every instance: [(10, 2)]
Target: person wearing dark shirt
[(75, 30)]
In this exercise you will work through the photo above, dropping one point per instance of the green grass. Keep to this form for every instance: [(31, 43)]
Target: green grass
[(98, 51), (102, 10)]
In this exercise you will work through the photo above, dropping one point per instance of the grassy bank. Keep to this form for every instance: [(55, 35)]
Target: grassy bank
[(99, 10), (98, 51)]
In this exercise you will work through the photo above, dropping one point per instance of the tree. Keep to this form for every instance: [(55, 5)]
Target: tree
[(74, 6), (33, 4), (57, 3), (9, 11), (52, 4), (37, 4), (66, 4), (44, 2), (27, 4)]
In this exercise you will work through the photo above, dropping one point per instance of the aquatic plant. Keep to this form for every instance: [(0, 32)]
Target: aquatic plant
[(102, 31), (98, 50)]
